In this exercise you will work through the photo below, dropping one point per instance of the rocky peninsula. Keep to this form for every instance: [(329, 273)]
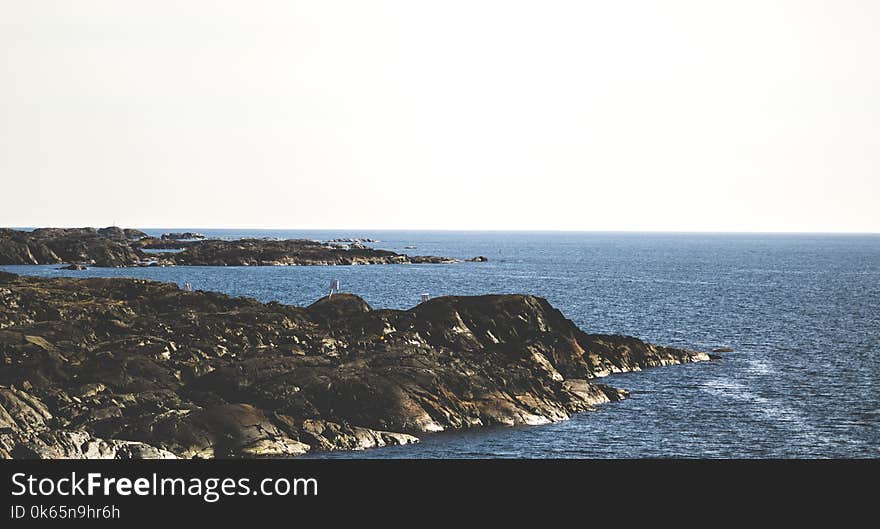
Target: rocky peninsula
[(115, 247), (267, 252), (122, 368)]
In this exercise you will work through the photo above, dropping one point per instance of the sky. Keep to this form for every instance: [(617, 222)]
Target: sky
[(462, 115)]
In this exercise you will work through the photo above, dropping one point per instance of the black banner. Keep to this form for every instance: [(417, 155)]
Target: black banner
[(248, 490)]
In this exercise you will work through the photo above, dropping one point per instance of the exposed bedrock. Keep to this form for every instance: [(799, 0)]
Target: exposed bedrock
[(132, 368)]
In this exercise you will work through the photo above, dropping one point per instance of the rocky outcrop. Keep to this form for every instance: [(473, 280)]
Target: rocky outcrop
[(176, 236), (114, 232), (123, 367), (105, 247), (155, 243)]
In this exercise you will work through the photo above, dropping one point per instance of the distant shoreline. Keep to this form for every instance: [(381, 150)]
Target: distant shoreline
[(116, 247)]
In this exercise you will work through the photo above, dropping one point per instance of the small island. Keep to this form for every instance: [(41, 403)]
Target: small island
[(127, 368)]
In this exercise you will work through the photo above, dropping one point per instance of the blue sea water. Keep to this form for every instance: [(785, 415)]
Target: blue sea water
[(801, 311)]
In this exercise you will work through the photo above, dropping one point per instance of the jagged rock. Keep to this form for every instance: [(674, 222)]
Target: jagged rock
[(477, 259), (28, 430), (327, 435), (227, 430), (20, 411), (79, 444), (116, 361)]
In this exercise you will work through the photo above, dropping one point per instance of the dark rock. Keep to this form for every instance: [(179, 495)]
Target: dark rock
[(154, 243), (339, 306), (722, 350), (74, 267), (478, 259), (227, 430), (105, 247), (174, 236), (430, 259), (29, 430), (353, 240), (127, 234), (111, 232), (134, 235), (130, 368), (327, 435)]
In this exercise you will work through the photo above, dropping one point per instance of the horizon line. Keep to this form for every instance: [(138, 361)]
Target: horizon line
[(476, 230)]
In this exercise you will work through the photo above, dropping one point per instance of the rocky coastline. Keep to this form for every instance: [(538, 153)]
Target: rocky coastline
[(115, 247), (126, 368)]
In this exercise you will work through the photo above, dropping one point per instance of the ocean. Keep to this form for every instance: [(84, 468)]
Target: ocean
[(801, 311)]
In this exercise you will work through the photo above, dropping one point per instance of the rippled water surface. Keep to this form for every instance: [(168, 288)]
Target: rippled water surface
[(801, 311)]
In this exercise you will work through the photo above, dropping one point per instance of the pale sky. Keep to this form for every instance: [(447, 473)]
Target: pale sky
[(542, 115)]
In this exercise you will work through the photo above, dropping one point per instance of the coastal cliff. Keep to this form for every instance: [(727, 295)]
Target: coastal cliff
[(131, 368)]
